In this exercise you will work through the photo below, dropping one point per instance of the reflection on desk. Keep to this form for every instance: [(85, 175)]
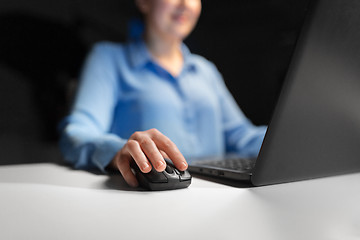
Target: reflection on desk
[(49, 201)]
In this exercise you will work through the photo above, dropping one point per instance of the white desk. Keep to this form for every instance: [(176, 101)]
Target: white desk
[(47, 201)]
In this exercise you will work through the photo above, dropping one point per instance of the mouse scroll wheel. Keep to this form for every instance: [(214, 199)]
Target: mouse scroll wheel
[(169, 169)]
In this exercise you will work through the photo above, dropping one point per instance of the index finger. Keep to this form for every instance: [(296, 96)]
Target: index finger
[(165, 144)]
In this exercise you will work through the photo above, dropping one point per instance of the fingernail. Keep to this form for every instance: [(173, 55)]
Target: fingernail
[(160, 164), (184, 165), (145, 166)]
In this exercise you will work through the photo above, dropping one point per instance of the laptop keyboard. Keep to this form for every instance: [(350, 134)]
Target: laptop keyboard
[(242, 164)]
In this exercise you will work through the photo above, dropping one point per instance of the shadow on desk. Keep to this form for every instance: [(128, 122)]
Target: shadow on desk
[(114, 180), (232, 183), (117, 182)]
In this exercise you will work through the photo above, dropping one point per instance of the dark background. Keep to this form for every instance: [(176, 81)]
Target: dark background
[(43, 44)]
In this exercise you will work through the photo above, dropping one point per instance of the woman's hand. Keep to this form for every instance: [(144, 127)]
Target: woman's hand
[(142, 147)]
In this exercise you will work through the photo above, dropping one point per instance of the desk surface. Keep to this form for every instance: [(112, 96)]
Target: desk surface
[(48, 201)]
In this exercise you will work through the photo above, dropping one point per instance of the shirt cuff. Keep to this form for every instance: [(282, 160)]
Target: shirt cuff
[(106, 149)]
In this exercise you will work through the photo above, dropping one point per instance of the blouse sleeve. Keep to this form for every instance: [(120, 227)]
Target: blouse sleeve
[(85, 139), (241, 135)]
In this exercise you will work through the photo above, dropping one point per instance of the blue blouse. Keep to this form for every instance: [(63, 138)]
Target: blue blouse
[(123, 90)]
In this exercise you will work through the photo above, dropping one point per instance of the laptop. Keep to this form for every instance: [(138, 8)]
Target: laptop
[(315, 127)]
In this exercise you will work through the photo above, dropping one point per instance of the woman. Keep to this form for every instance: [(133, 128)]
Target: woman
[(151, 98)]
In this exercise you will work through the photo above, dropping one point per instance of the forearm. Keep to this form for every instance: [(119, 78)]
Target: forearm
[(85, 149), (245, 140), (85, 141)]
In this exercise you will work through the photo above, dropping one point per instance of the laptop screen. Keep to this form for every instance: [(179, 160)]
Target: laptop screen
[(315, 130)]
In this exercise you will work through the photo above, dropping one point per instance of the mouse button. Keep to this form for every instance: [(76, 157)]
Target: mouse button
[(177, 171), (156, 177), (169, 169), (185, 176)]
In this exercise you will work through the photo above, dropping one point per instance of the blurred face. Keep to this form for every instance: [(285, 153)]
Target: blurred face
[(170, 18)]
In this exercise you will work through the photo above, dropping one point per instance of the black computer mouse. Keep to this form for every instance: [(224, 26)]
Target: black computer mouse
[(170, 178)]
